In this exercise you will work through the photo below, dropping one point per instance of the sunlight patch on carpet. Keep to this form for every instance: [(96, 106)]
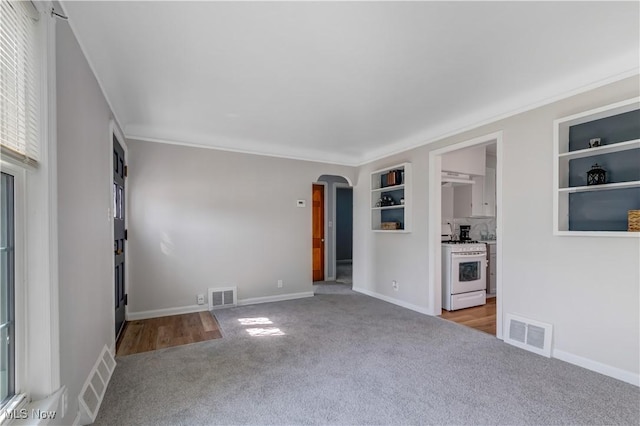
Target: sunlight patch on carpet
[(260, 332), (254, 321)]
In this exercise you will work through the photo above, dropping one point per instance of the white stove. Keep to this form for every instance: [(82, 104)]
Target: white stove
[(464, 264)]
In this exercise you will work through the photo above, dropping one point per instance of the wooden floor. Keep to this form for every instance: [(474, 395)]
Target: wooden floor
[(164, 332), (482, 318)]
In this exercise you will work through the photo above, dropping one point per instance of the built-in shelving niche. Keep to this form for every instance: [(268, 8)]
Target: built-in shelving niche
[(598, 209)]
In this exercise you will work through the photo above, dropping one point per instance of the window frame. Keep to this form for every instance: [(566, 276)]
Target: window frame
[(37, 329), (20, 312)]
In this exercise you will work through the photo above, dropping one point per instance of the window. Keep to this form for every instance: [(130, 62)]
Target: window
[(22, 49), (20, 77), (7, 289)]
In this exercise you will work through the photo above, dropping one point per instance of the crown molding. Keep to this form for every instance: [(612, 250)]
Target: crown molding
[(490, 115), (480, 118), (242, 147)]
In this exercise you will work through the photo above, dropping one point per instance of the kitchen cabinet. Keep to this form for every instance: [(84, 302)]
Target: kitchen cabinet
[(470, 161), (491, 268), (489, 194), (477, 199), (391, 199), (601, 209)]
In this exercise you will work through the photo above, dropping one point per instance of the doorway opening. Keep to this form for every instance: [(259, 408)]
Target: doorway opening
[(465, 223), (332, 228), (119, 227)]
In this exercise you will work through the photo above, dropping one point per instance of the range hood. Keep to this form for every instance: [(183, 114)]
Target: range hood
[(455, 179)]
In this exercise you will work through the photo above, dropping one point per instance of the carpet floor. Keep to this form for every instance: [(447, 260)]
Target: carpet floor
[(345, 358)]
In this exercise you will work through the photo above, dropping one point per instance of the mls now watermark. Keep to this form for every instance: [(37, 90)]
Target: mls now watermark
[(24, 414)]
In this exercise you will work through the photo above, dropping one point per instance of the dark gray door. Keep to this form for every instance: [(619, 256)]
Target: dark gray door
[(119, 232)]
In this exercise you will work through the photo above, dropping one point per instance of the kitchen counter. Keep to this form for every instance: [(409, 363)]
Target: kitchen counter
[(487, 241)]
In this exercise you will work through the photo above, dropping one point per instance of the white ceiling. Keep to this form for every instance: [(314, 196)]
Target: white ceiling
[(342, 82)]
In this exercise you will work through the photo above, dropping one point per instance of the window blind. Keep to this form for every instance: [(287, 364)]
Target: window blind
[(19, 82)]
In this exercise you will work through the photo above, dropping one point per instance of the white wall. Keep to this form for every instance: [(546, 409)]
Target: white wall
[(84, 234), (203, 218), (587, 287)]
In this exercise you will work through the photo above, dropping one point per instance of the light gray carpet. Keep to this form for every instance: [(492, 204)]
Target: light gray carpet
[(345, 358), (344, 272)]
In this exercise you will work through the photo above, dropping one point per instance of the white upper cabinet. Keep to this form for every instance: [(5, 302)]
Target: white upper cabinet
[(478, 199), (471, 161), (489, 195)]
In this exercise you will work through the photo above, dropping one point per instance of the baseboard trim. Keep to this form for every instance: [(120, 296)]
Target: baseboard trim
[(410, 306), (132, 316), (277, 298), (598, 367)]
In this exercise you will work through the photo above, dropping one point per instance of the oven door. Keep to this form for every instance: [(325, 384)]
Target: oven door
[(468, 272)]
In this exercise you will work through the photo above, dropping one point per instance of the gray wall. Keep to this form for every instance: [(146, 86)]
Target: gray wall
[(203, 218), (85, 242), (553, 279), (330, 220), (344, 224)]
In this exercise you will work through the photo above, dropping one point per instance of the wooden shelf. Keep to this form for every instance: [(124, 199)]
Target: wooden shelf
[(603, 187)]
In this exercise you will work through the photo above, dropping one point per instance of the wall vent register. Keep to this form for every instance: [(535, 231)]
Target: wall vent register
[(223, 297)]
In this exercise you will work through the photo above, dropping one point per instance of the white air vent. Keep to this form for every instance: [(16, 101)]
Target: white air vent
[(94, 388), (528, 334), (223, 297)]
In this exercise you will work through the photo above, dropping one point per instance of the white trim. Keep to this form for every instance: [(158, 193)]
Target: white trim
[(435, 219), (277, 298), (305, 156), (76, 421), (473, 122), (608, 370), (410, 306), (401, 147), (155, 313), (51, 142), (114, 130), (42, 328)]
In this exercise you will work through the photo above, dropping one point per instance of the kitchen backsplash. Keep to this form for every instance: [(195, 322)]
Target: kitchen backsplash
[(481, 228)]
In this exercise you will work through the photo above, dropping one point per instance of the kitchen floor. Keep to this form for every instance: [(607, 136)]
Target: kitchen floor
[(481, 318)]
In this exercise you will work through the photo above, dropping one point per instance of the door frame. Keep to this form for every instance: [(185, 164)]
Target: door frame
[(326, 228), (435, 220), (333, 230), (114, 131)]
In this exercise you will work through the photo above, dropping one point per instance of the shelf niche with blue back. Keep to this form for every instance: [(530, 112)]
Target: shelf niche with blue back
[(392, 185), (598, 209)]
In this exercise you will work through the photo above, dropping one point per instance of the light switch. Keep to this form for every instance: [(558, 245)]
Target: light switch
[(301, 203)]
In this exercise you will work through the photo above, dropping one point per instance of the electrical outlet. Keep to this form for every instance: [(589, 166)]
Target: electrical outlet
[(395, 285), (280, 284), (201, 299)]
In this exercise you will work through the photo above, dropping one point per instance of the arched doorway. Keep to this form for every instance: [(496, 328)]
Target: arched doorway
[(335, 220)]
